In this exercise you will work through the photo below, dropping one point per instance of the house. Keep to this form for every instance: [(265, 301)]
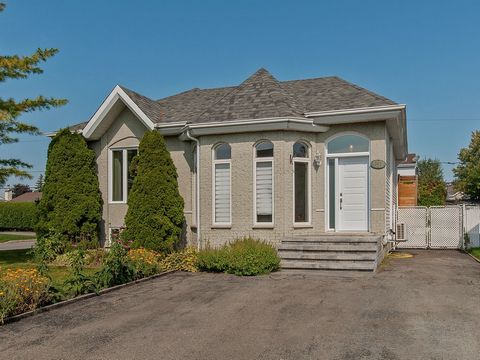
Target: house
[(8, 194), (303, 164), (455, 196), (408, 181), (31, 196)]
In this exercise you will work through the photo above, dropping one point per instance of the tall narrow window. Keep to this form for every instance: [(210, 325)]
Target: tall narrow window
[(131, 153), (301, 183), (331, 193), (222, 184), (117, 175), (121, 179), (264, 183)]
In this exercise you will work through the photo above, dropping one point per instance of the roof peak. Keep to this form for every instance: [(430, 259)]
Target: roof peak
[(260, 95)]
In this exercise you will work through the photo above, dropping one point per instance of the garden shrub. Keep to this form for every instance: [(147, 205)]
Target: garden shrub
[(78, 283), (17, 216), (245, 257), (154, 217), (145, 262), (116, 268), (184, 260), (22, 290), (71, 203), (92, 258)]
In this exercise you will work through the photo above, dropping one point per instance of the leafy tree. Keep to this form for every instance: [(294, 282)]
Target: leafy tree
[(39, 183), (467, 173), (431, 185), (154, 218), (71, 203), (20, 67), (20, 189)]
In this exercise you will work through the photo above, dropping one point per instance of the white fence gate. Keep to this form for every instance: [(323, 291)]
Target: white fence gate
[(472, 224), (446, 230), (416, 220), (437, 227)]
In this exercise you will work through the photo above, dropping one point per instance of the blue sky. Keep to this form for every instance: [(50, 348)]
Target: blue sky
[(421, 53)]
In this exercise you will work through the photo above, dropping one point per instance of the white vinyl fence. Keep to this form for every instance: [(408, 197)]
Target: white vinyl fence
[(440, 227), (472, 224)]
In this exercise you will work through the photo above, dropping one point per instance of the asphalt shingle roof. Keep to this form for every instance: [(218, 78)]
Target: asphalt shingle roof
[(260, 96)]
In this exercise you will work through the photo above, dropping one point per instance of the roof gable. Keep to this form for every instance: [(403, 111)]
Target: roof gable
[(113, 105)]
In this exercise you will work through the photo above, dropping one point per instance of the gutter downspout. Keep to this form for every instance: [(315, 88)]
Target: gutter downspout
[(197, 185)]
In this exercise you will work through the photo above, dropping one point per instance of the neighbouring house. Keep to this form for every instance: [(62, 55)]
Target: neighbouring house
[(8, 195), (408, 181), (303, 164), (32, 196), (455, 196)]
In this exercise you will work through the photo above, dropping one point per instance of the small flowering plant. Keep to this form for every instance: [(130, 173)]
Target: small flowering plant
[(22, 290), (144, 261)]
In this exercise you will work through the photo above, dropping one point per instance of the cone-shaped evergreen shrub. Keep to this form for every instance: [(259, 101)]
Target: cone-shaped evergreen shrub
[(71, 204), (154, 218)]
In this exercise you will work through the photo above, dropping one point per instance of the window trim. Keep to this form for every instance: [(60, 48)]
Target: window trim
[(215, 162), (308, 161), (256, 224), (124, 151)]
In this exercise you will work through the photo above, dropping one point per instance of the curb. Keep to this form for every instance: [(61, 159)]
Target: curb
[(60, 304), (17, 241), (473, 257)]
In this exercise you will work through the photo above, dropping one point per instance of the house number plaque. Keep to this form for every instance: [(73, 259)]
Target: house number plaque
[(378, 164)]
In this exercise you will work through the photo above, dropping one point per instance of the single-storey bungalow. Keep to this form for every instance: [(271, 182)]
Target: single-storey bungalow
[(307, 165)]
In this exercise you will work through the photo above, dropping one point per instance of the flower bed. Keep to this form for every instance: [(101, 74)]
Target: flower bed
[(22, 290)]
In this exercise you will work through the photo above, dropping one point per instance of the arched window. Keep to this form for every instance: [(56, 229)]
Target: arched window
[(301, 183), (264, 149), (222, 152), (263, 183), (222, 196), (347, 144)]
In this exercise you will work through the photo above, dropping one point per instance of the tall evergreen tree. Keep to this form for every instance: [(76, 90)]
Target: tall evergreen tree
[(432, 190), (154, 218), (39, 183), (20, 67), (467, 173), (71, 203)]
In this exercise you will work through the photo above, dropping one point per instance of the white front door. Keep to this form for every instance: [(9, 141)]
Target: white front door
[(352, 194)]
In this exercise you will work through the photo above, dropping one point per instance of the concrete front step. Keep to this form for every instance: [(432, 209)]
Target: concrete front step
[(328, 255), (328, 265), (332, 239), (320, 246)]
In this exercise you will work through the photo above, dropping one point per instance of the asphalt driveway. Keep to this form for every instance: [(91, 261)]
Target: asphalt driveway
[(425, 307)]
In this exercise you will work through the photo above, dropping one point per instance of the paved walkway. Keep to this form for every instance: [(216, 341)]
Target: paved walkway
[(18, 244), (425, 307)]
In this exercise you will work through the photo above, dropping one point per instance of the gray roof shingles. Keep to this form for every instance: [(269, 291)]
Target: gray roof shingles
[(260, 96)]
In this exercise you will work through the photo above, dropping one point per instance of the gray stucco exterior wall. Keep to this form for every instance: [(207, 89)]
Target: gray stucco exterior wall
[(126, 131)]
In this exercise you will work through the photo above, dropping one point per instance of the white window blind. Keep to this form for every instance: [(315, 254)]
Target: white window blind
[(264, 188), (222, 193)]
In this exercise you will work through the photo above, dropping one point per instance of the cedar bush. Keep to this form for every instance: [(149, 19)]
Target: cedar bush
[(17, 216), (245, 257), (154, 218), (71, 203)]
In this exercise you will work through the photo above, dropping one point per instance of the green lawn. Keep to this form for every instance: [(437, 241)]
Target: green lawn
[(14, 259), (9, 237), (475, 252)]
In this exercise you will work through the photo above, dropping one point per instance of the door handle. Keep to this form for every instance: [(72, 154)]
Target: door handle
[(341, 201)]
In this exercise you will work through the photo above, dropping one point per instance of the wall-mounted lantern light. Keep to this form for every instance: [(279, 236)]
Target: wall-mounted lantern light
[(317, 159)]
